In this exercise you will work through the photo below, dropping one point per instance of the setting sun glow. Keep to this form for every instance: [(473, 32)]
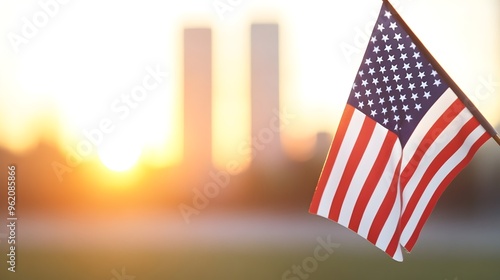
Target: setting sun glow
[(69, 77), (119, 158)]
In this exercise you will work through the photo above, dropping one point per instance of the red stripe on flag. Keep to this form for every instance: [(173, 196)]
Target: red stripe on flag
[(332, 156), (432, 203), (352, 166), (394, 243), (451, 148), (385, 208), (453, 110), (372, 180)]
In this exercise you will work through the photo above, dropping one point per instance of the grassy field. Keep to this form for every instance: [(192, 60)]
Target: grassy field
[(241, 264)]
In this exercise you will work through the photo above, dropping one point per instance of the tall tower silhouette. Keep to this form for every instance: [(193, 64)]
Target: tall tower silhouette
[(264, 51), (197, 98)]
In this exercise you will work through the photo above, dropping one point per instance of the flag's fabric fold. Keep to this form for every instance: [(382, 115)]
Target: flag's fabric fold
[(404, 135)]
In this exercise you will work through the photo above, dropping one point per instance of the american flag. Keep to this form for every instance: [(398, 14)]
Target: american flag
[(404, 135)]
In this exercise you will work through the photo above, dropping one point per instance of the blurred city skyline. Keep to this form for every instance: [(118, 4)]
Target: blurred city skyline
[(317, 61), (171, 125)]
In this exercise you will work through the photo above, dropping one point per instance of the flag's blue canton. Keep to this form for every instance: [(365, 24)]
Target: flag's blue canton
[(395, 85)]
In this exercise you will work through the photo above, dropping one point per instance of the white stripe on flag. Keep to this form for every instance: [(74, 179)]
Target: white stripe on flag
[(435, 148), (390, 227), (434, 113), (365, 165), (353, 130), (438, 177), (383, 186)]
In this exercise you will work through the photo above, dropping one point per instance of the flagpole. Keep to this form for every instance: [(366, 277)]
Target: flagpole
[(460, 94)]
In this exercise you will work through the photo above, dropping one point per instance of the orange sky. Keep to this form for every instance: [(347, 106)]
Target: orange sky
[(65, 78)]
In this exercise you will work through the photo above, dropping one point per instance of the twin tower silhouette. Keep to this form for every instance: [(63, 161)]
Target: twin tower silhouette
[(266, 116)]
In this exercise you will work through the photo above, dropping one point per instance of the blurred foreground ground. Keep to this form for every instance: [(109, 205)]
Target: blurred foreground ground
[(89, 227), (243, 246)]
